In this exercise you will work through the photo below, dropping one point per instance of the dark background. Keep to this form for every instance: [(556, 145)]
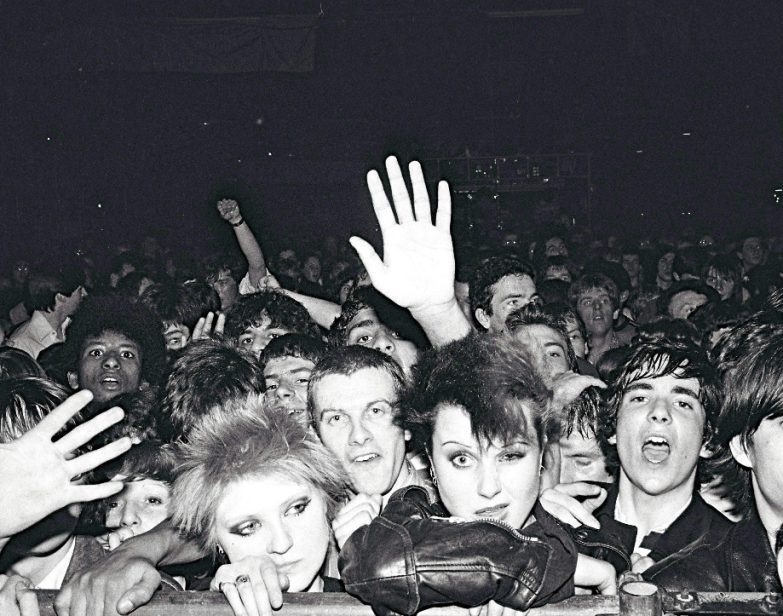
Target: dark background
[(97, 108)]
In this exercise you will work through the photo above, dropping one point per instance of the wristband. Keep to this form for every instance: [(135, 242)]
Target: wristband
[(238, 224)]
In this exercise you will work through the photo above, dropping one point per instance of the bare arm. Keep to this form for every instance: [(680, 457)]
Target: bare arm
[(256, 265), (417, 269)]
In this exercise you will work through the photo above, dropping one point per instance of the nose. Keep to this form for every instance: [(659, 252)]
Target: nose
[(489, 484), (258, 345), (280, 540), (383, 342), (659, 412), (130, 516), (359, 433), (110, 361), (284, 391)]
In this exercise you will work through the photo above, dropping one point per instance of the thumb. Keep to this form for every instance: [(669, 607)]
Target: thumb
[(141, 592), (372, 262), (285, 583)]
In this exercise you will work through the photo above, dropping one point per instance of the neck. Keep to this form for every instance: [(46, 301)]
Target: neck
[(663, 284), (599, 344), (403, 479), (648, 512), (770, 515), (316, 586), (54, 318), (36, 568)]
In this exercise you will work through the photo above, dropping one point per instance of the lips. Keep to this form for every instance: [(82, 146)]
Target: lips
[(366, 457), (656, 449), (495, 511), (110, 381)]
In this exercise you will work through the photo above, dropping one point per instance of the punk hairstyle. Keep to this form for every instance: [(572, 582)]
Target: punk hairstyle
[(251, 443), (281, 310), (491, 377), (207, 375), (180, 303), (148, 460), (536, 314), (489, 272), (294, 345), (652, 360), (112, 313)]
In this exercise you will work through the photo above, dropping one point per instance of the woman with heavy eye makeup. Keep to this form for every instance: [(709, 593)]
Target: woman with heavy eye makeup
[(481, 414), (260, 491)]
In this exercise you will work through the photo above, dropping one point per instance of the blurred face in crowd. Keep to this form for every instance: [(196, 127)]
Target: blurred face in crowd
[(367, 330), (752, 252), (276, 516), (257, 336), (109, 366), (581, 459), (354, 416), (176, 335), (722, 283), (286, 385), (226, 288), (597, 311), (660, 428), (480, 479), (631, 265), (141, 506), (578, 341), (557, 272), (665, 266), (555, 247), (548, 345), (312, 269), (508, 294), (684, 303)]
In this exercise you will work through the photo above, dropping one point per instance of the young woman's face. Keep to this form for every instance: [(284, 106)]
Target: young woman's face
[(484, 480), (274, 515)]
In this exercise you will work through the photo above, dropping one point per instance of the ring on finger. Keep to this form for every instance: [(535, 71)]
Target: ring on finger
[(242, 579), (220, 586)]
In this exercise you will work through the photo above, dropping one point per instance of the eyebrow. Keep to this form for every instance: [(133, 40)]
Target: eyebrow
[(235, 521), (369, 404), (365, 323), (295, 371), (685, 391), (553, 343)]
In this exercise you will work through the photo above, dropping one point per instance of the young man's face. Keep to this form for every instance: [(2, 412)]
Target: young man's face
[(659, 434), (226, 288), (508, 294), (665, 266), (257, 336), (354, 416), (752, 252), (141, 506), (578, 341), (596, 310), (631, 265), (109, 366), (723, 284), (286, 385), (549, 346), (176, 335), (365, 329), (555, 247), (581, 459)]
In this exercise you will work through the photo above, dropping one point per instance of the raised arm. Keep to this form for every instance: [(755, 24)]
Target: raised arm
[(417, 269), (256, 265)]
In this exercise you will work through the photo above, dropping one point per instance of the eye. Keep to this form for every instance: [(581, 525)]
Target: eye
[(461, 460), (302, 381), (154, 500), (583, 462), (555, 353), (637, 399), (364, 339), (271, 386), (512, 302), (298, 508), (377, 411), (684, 404), (273, 335), (95, 352), (113, 505), (247, 529), (334, 419), (246, 340), (128, 355), (511, 456)]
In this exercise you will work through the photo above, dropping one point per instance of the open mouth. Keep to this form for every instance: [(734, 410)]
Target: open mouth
[(492, 512), (656, 449), (110, 382), (366, 457)]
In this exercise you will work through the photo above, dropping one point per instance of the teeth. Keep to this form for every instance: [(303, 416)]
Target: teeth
[(655, 440), (366, 458)]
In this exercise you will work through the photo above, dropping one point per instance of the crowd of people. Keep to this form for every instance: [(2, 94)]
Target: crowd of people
[(494, 427)]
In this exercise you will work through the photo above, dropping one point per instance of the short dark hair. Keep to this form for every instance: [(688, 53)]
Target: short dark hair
[(581, 415), (390, 314), (689, 261), (216, 263), (696, 286), (44, 286), (204, 377), (25, 401), (15, 363), (487, 375), (282, 311), (183, 304), (112, 313), (294, 345), (489, 272)]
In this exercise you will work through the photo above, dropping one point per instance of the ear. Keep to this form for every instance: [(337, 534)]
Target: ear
[(482, 318), (706, 452), (59, 298), (624, 297), (740, 452), (407, 435), (612, 440), (73, 380)]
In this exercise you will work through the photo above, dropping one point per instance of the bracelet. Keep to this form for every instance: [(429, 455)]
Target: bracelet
[(238, 224)]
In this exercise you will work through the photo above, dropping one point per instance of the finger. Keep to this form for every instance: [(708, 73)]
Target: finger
[(54, 421), (28, 602), (221, 323), (85, 432), (354, 520), (578, 488), (141, 593), (443, 215), (380, 204), (208, 324), (253, 598), (399, 191), (62, 602), (198, 330), (87, 493), (271, 581), (88, 461), (421, 200), (232, 594), (370, 259), (564, 515)]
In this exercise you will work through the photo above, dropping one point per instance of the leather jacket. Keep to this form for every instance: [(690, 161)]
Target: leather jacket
[(614, 541), (412, 557), (739, 559)]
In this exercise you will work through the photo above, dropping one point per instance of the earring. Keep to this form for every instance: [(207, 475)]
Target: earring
[(220, 551), (433, 477)]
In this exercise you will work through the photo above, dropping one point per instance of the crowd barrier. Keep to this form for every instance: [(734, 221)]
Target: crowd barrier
[(634, 599)]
